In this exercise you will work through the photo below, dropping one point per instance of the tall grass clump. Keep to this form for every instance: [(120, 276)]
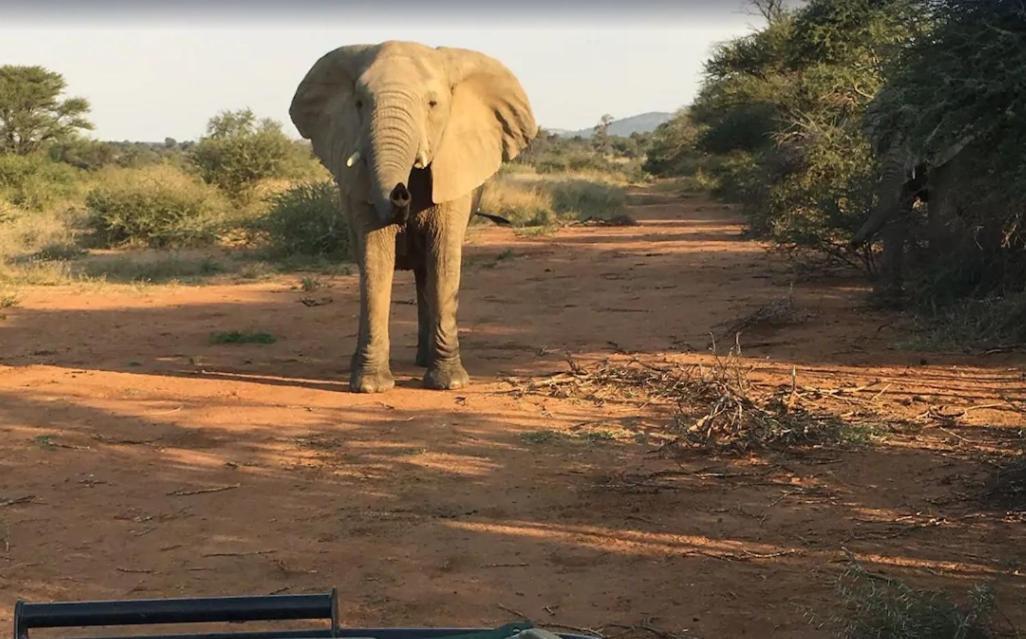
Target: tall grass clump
[(529, 199), (160, 206), (879, 606), (307, 221)]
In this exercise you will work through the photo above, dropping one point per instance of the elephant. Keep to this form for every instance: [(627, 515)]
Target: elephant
[(410, 133), (907, 180)]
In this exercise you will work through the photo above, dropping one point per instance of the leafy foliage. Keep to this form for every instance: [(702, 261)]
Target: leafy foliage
[(963, 82), (160, 207), (307, 220), (32, 111), (793, 120), (34, 181), (781, 111), (238, 151), (671, 148)]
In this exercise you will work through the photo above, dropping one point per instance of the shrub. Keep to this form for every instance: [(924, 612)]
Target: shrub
[(238, 152), (672, 147), (158, 206), (307, 220), (780, 111), (83, 153), (35, 182), (38, 236)]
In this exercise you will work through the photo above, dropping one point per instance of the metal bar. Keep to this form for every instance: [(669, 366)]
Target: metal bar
[(347, 633), (156, 611)]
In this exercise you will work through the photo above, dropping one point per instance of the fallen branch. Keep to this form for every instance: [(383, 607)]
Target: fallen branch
[(202, 491), (513, 611), (239, 554)]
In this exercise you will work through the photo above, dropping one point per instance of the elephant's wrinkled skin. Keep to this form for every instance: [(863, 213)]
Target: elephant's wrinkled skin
[(904, 180), (410, 133)]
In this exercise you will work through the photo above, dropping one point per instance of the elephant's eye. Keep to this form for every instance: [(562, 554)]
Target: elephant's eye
[(432, 103), (359, 104)]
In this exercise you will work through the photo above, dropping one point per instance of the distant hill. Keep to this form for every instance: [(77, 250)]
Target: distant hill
[(641, 123)]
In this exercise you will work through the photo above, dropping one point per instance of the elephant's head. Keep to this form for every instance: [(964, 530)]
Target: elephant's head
[(376, 112)]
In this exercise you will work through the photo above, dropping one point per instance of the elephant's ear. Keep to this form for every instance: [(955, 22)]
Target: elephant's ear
[(490, 121), (324, 106)]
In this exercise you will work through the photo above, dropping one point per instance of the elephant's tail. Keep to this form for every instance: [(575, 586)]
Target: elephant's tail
[(475, 208), (498, 219)]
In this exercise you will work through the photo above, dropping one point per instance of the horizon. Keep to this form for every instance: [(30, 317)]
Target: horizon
[(150, 72)]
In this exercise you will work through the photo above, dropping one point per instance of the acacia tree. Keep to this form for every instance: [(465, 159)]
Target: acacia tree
[(602, 132), (782, 111), (32, 111)]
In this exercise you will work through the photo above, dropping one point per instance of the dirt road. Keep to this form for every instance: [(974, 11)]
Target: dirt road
[(137, 459)]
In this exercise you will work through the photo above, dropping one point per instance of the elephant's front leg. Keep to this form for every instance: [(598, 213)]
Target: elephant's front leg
[(370, 371), (441, 290), (424, 341), (894, 236)]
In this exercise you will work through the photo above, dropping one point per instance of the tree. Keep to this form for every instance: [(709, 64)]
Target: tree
[(672, 148), (781, 110), (601, 129), (238, 151), (771, 10), (32, 111)]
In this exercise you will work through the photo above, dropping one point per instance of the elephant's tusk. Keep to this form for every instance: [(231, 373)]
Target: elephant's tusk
[(421, 160), (353, 158)]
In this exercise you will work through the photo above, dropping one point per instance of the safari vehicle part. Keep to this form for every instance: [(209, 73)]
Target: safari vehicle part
[(153, 612)]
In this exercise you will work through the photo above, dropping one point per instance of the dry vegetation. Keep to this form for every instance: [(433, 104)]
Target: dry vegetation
[(528, 198), (188, 212), (715, 405)]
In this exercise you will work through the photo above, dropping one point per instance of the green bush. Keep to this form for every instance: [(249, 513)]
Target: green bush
[(307, 220), (158, 206), (779, 119), (35, 182), (947, 87), (672, 147), (239, 151), (83, 153)]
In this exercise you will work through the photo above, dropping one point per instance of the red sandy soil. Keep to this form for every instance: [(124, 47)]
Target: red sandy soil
[(139, 460)]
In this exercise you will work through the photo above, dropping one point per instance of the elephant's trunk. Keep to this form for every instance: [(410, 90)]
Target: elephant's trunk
[(392, 151), (890, 196)]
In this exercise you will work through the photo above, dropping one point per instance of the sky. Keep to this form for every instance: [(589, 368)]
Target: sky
[(161, 69)]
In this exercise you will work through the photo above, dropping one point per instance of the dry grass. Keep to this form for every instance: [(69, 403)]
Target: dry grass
[(712, 407), (881, 606), (527, 198)]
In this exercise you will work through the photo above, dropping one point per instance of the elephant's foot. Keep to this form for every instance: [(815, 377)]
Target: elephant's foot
[(446, 376), (371, 381)]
